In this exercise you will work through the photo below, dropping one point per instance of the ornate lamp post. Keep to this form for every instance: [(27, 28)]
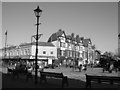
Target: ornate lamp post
[(38, 13), (119, 35), (5, 44)]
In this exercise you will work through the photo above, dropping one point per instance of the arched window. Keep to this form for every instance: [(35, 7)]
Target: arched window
[(22, 51), (26, 51), (17, 51), (11, 53), (29, 52)]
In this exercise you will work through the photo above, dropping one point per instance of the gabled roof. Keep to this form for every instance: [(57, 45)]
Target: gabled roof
[(55, 36), (59, 33), (86, 42), (93, 47), (30, 44), (68, 37), (45, 44), (71, 38), (74, 39), (97, 51)]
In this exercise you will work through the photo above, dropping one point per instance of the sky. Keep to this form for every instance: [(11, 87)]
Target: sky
[(95, 20)]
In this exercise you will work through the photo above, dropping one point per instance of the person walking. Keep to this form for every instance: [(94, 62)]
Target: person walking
[(80, 67), (111, 68), (119, 72)]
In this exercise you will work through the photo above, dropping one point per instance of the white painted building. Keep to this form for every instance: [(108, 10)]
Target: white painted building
[(46, 51)]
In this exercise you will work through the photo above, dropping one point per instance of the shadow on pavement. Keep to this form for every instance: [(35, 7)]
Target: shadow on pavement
[(9, 82)]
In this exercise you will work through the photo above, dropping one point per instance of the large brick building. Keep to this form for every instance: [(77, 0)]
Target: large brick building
[(71, 47)]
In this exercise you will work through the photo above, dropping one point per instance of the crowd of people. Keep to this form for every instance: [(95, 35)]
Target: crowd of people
[(23, 65), (30, 65)]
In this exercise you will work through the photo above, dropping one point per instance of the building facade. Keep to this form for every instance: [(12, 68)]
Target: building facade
[(46, 51), (71, 47), (59, 47)]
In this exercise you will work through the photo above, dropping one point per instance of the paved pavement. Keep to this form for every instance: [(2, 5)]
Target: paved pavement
[(81, 75), (76, 79)]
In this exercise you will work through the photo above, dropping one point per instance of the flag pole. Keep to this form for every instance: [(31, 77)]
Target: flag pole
[(5, 43)]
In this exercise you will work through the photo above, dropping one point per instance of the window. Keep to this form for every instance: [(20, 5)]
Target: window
[(17, 51), (26, 52), (29, 52), (22, 51), (44, 52), (62, 53), (51, 52), (63, 44), (11, 53)]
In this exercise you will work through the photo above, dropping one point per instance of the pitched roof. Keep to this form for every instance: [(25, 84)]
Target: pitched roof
[(10, 47), (93, 47), (74, 39), (45, 44), (39, 44), (54, 36), (68, 37), (97, 51), (86, 42), (59, 32)]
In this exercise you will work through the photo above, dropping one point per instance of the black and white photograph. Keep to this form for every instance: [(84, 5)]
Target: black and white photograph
[(60, 44)]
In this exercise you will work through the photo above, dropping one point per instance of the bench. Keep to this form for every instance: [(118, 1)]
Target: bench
[(9, 70), (15, 73), (99, 79), (43, 76)]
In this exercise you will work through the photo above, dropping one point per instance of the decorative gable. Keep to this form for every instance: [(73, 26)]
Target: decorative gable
[(63, 35), (60, 34)]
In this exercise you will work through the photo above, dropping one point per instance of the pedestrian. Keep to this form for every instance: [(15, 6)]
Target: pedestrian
[(115, 65), (119, 72), (85, 67), (111, 68), (59, 64), (80, 67)]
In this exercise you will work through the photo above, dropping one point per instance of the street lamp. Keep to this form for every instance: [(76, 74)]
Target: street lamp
[(38, 13), (5, 44), (119, 35)]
